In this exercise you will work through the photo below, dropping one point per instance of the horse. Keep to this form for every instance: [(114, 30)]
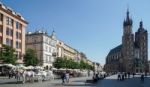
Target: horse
[(28, 75), (50, 75), (46, 75)]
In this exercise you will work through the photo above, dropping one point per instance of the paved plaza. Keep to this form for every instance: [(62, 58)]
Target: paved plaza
[(130, 82), (74, 82), (80, 82)]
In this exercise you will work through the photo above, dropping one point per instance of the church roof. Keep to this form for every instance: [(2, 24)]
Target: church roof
[(116, 49)]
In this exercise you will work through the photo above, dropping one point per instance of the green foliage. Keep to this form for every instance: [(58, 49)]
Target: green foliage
[(71, 64), (84, 65), (7, 54), (30, 58)]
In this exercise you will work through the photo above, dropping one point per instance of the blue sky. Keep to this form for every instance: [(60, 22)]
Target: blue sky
[(91, 26)]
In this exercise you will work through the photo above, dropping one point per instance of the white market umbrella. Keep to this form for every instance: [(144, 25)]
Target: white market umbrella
[(9, 65), (30, 67), (38, 67)]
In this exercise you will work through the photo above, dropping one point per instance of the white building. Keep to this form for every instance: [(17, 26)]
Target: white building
[(44, 45)]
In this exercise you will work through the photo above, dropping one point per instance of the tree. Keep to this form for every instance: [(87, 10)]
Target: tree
[(71, 64), (7, 54), (30, 58), (84, 65), (60, 62)]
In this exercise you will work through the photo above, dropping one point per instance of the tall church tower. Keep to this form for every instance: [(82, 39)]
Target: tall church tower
[(141, 39), (127, 44)]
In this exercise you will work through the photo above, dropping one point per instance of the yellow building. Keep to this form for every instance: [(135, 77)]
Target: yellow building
[(90, 62), (65, 51), (12, 30)]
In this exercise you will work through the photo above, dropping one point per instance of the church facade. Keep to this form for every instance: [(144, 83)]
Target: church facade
[(132, 54)]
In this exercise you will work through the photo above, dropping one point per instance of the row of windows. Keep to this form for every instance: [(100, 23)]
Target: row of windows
[(10, 22), (18, 25), (50, 42), (9, 42), (18, 45), (117, 55), (9, 32), (18, 35), (49, 49), (48, 58)]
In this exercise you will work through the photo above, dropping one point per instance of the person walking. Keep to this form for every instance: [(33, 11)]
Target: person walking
[(122, 77), (133, 75), (63, 77), (67, 77), (119, 77), (142, 77), (18, 74), (10, 73), (128, 74)]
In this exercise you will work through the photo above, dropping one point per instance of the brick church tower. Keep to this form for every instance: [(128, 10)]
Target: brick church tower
[(141, 39), (127, 44), (132, 54)]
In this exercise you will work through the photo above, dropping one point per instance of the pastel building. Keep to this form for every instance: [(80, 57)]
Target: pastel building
[(44, 45), (12, 30), (65, 51)]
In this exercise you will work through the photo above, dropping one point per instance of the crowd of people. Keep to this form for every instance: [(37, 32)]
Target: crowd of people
[(124, 75), (98, 76)]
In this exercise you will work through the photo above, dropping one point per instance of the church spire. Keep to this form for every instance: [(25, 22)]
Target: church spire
[(141, 28), (128, 20), (127, 15), (141, 24)]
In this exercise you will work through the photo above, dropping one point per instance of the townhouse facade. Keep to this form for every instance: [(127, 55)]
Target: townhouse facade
[(12, 30), (44, 45)]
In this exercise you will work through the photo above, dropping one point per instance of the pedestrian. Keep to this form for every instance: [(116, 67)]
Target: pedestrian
[(104, 75), (119, 78), (128, 74), (142, 77), (63, 77), (67, 77), (122, 77), (18, 74), (10, 73), (133, 75)]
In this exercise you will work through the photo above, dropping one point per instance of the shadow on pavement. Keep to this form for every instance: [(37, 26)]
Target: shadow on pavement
[(14, 82), (74, 84), (79, 81)]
